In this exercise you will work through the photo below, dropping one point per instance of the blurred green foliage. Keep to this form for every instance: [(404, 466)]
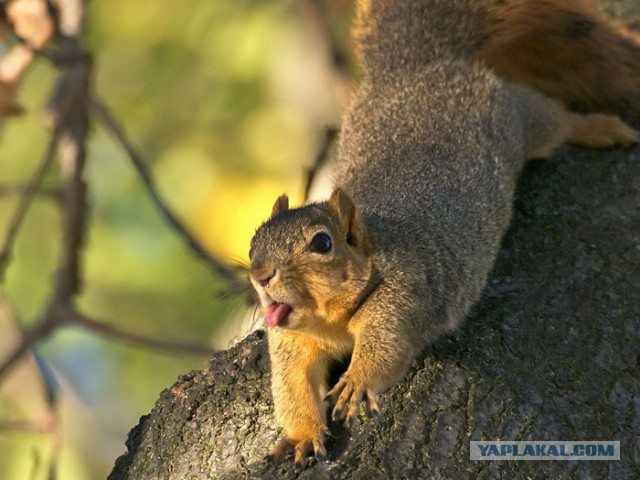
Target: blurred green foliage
[(227, 100)]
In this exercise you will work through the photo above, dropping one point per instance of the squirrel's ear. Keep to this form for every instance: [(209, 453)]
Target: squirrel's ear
[(281, 205), (348, 216)]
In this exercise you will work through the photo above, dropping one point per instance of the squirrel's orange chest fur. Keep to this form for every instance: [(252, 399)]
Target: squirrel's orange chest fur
[(333, 339), (324, 313)]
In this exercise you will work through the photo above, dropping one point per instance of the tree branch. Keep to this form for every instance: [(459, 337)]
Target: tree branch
[(72, 155), (68, 111), (72, 316), (330, 135), (19, 190), (30, 23), (41, 330), (25, 203), (104, 116)]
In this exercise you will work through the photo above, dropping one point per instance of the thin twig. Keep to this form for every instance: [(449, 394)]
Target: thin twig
[(330, 135), (105, 117), (69, 115), (60, 313), (71, 316), (25, 202), (68, 17), (49, 422), (321, 15), (26, 427), (68, 111), (39, 331), (16, 190), (31, 24)]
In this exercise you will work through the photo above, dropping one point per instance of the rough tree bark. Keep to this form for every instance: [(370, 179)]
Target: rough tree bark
[(550, 353)]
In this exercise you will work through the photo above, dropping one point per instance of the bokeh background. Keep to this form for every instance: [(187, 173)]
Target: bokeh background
[(228, 101)]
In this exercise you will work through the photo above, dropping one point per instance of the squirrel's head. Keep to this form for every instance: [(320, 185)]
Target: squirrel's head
[(311, 264)]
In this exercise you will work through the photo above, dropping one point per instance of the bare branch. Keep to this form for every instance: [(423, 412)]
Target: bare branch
[(71, 124), (46, 422), (72, 156), (16, 190), (71, 13), (67, 314), (32, 25), (62, 313), (42, 329), (330, 135), (25, 202), (27, 427), (30, 21), (320, 16), (105, 117), (68, 111)]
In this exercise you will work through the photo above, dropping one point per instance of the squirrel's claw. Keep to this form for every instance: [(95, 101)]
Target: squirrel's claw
[(279, 451), (304, 452), (346, 397), (301, 456), (343, 390), (371, 403), (319, 450)]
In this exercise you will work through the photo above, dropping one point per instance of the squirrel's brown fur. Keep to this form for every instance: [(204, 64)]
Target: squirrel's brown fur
[(429, 155), (562, 48)]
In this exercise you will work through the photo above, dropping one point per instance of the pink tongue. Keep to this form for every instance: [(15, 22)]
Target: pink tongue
[(276, 314)]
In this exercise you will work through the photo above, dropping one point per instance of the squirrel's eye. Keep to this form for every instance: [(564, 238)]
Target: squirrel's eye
[(321, 243)]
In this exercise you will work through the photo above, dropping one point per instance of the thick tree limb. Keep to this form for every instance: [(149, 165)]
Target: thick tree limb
[(550, 353)]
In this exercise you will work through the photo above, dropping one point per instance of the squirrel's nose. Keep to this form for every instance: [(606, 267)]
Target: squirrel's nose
[(263, 278)]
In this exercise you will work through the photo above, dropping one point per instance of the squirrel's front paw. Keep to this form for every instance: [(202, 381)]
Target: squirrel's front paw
[(347, 394), (303, 449)]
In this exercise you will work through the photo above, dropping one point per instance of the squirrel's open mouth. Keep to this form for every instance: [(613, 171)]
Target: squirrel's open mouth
[(277, 313)]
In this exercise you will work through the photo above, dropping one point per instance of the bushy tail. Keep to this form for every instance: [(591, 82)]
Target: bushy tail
[(567, 50), (563, 48), (402, 35)]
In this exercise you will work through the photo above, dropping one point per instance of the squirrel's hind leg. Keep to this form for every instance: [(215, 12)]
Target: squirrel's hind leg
[(597, 130), (548, 125), (569, 51)]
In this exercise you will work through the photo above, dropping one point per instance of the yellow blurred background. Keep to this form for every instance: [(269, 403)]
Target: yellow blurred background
[(228, 101)]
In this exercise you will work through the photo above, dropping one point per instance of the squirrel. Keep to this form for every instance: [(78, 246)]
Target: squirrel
[(429, 154)]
